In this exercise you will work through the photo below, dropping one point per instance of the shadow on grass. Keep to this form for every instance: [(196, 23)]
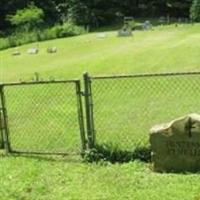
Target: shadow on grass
[(101, 152), (113, 154), (74, 158)]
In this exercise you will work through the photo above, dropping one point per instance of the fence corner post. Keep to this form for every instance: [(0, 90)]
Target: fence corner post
[(89, 110)]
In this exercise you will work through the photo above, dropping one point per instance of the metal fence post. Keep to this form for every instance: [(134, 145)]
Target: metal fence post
[(1, 128), (89, 111), (80, 116), (4, 122)]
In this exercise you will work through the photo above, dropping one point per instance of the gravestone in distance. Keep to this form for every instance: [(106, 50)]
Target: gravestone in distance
[(33, 51), (176, 145), (162, 20), (147, 25), (126, 31), (16, 53), (101, 35), (52, 50)]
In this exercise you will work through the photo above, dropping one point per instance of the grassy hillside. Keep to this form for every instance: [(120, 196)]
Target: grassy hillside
[(47, 178), (162, 50)]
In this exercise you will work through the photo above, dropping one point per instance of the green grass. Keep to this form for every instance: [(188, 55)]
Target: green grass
[(33, 178), (162, 50), (135, 106)]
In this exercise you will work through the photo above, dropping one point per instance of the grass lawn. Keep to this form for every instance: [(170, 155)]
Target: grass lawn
[(165, 49), (32, 178), (162, 50)]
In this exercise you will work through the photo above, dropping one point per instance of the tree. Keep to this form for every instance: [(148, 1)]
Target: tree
[(87, 12), (27, 18), (195, 11), (78, 12)]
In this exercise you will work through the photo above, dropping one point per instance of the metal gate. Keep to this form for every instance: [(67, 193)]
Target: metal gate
[(42, 117)]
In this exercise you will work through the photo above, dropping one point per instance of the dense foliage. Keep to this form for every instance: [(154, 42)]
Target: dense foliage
[(195, 11), (94, 12), (23, 21), (27, 18), (23, 37)]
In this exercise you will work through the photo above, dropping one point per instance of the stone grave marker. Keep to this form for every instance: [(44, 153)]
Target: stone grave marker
[(126, 31), (176, 145), (33, 51), (16, 53), (162, 20), (101, 35), (147, 25), (52, 50)]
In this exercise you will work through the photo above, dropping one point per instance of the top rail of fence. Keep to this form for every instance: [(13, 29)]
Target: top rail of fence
[(38, 82), (145, 75)]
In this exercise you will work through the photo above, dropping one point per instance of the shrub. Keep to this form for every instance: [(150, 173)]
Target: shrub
[(4, 43), (65, 30), (58, 31), (195, 11), (111, 153)]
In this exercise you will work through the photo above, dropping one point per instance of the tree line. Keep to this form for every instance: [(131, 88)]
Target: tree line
[(93, 13)]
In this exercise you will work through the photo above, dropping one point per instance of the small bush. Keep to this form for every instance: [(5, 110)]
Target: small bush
[(65, 30), (4, 43), (113, 154)]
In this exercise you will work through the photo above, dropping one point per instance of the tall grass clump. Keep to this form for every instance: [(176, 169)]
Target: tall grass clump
[(114, 154)]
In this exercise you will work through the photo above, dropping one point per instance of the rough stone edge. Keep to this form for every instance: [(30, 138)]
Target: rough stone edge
[(165, 127)]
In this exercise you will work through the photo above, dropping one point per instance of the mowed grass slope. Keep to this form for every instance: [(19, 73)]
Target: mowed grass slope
[(162, 50)]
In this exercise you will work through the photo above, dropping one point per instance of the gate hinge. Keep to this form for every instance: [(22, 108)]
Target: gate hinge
[(82, 93)]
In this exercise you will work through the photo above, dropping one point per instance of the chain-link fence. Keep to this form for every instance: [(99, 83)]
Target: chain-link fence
[(126, 107), (47, 117), (43, 117)]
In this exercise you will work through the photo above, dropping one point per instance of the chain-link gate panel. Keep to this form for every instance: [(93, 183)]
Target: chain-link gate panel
[(42, 117), (126, 107)]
